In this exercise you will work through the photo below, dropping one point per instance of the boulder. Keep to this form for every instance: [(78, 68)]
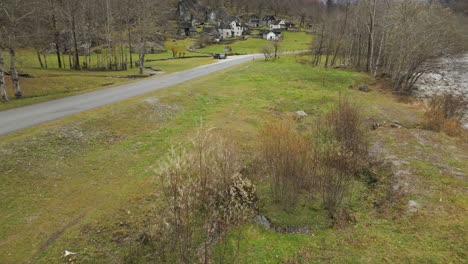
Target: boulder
[(263, 221), (364, 88), (413, 206), (301, 114)]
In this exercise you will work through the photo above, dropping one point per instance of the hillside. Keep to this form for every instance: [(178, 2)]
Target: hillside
[(88, 184)]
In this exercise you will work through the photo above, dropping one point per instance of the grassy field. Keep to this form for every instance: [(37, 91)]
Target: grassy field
[(87, 183), (293, 41)]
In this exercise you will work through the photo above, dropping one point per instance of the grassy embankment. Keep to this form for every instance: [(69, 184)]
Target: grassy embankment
[(86, 183)]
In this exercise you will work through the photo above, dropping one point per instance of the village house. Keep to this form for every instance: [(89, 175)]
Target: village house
[(254, 21), (267, 20), (271, 34), (278, 24), (231, 30)]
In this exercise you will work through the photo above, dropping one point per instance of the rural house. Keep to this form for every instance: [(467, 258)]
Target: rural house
[(254, 21), (267, 20), (278, 24), (271, 34), (231, 30)]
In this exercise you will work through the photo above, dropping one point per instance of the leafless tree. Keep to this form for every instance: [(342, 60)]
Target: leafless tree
[(15, 12)]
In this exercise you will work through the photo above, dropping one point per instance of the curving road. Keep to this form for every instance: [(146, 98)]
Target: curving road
[(28, 116)]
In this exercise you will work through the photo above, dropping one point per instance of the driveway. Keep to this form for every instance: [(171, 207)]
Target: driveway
[(28, 116)]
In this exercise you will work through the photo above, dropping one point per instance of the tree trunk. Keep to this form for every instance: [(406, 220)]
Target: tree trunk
[(39, 58), (376, 66), (141, 53), (318, 53), (56, 40), (130, 48), (76, 62), (3, 92), (44, 54), (370, 46), (14, 74), (142, 59)]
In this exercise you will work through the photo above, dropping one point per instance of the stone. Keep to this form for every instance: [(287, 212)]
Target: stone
[(364, 88), (263, 221), (413, 206), (301, 114)]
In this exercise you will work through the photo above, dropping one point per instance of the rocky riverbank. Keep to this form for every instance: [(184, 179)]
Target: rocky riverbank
[(451, 77)]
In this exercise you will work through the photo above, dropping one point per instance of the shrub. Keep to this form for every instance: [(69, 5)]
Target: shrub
[(267, 51), (445, 113), (286, 160), (341, 150), (204, 196), (203, 41)]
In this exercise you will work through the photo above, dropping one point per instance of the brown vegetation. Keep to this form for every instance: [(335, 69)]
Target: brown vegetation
[(327, 162), (445, 113), (204, 196), (286, 159)]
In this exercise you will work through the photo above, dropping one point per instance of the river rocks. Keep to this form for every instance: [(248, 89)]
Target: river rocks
[(451, 77)]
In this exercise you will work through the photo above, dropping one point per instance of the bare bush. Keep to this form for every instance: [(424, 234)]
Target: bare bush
[(205, 195), (341, 153), (267, 50), (203, 41), (286, 159), (445, 113)]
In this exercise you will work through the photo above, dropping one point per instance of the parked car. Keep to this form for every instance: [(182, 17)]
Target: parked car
[(218, 56)]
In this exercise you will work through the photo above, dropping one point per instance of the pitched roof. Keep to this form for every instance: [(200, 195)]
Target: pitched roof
[(267, 18), (276, 22), (224, 25)]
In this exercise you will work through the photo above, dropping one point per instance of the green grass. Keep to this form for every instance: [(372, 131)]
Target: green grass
[(86, 183), (293, 41)]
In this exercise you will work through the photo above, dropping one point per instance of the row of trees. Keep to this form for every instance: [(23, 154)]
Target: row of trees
[(111, 29), (394, 39)]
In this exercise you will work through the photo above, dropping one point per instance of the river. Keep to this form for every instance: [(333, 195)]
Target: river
[(451, 76)]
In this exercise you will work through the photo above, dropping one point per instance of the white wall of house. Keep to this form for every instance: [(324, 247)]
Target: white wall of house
[(281, 25), (237, 29), (225, 33), (272, 36)]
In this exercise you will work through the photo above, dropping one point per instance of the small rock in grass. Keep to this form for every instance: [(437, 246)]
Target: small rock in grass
[(67, 253), (413, 206), (301, 114)]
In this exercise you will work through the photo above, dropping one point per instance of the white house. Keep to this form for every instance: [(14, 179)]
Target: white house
[(272, 36), (225, 33), (278, 24), (234, 29), (237, 29)]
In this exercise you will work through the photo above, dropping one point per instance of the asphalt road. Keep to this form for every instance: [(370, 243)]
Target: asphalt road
[(28, 116)]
